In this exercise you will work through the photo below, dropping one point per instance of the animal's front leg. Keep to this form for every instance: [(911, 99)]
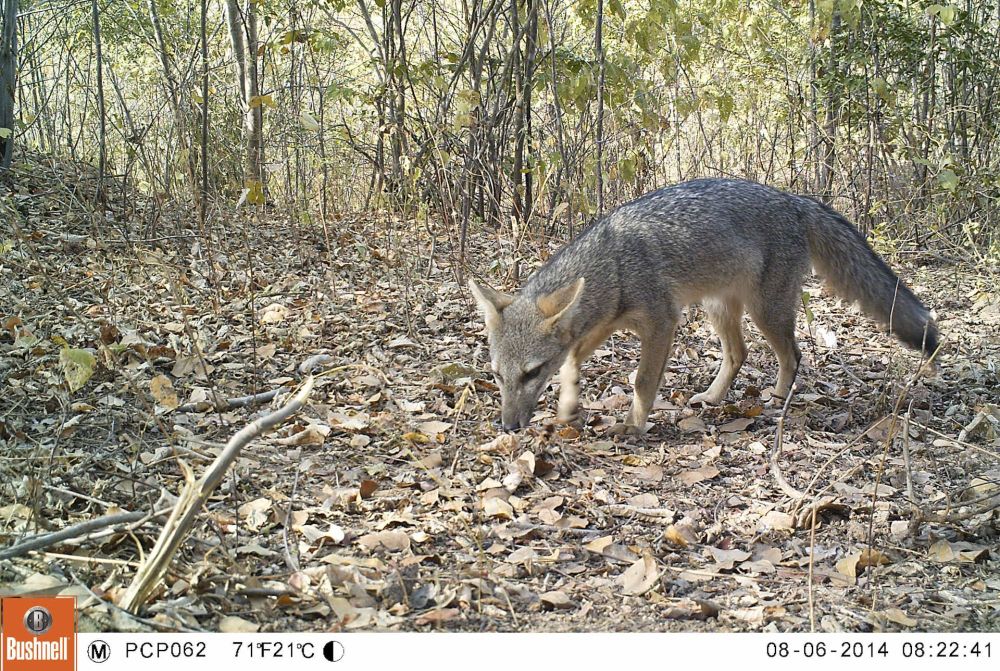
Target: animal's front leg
[(656, 348), (569, 389), (569, 374)]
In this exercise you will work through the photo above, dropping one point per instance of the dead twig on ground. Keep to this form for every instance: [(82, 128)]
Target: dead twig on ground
[(82, 530), (223, 404), (194, 495), (776, 451)]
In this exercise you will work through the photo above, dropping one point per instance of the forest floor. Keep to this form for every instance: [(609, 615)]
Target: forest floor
[(392, 502)]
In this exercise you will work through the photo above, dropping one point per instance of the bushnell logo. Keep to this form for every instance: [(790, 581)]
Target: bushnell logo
[(38, 633), (38, 620)]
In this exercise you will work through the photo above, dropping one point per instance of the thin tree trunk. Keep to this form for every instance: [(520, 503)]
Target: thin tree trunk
[(101, 113), (530, 50), (517, 205), (813, 148), (599, 51), (399, 93), (255, 109), (173, 98), (47, 122), (242, 24), (45, 136), (501, 101), (832, 111), (927, 113), (203, 204), (234, 20), (475, 115), (557, 107), (8, 75), (204, 113), (378, 165)]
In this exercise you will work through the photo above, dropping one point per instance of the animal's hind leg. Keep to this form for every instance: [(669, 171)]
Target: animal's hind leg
[(775, 317), (727, 319)]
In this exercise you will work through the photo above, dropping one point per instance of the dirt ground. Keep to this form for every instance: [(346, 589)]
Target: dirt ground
[(392, 501)]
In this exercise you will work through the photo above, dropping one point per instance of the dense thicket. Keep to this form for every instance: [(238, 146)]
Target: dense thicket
[(531, 114)]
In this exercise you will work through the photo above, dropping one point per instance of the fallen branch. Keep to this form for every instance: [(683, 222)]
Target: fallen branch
[(928, 367), (570, 531), (658, 515), (979, 506), (74, 531), (119, 613), (306, 367), (194, 495), (957, 443), (228, 403), (779, 436), (315, 361)]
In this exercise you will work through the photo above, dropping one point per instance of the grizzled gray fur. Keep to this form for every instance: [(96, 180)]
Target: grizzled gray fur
[(732, 245)]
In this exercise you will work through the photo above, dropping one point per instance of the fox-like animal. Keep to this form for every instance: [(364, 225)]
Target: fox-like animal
[(730, 244)]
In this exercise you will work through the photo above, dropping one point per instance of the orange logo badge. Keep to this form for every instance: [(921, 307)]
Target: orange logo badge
[(38, 633)]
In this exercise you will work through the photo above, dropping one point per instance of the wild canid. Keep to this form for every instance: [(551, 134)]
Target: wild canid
[(726, 243)]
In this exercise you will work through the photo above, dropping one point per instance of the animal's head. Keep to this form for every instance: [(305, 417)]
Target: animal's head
[(529, 339)]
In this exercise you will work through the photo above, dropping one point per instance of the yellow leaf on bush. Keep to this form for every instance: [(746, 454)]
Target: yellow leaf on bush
[(255, 192), (257, 101)]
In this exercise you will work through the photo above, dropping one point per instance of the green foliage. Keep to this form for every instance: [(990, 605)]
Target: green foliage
[(725, 104), (341, 92), (948, 179), (946, 13), (690, 87), (810, 317), (327, 42)]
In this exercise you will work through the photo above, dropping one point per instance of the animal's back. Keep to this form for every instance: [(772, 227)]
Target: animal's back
[(734, 245), (690, 241)]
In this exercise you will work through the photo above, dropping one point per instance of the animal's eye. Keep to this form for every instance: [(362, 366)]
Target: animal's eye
[(532, 373), (498, 376)]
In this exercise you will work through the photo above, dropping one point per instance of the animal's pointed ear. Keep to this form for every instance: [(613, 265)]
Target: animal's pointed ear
[(558, 306), (491, 302)]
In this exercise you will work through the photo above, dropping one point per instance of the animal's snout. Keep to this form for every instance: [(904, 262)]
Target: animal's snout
[(517, 410)]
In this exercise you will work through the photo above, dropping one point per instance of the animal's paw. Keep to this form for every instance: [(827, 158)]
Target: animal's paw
[(566, 427), (704, 398), (773, 399), (775, 402), (929, 369), (572, 419), (623, 429)]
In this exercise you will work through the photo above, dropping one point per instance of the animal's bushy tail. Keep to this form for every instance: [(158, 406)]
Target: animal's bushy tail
[(855, 272)]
